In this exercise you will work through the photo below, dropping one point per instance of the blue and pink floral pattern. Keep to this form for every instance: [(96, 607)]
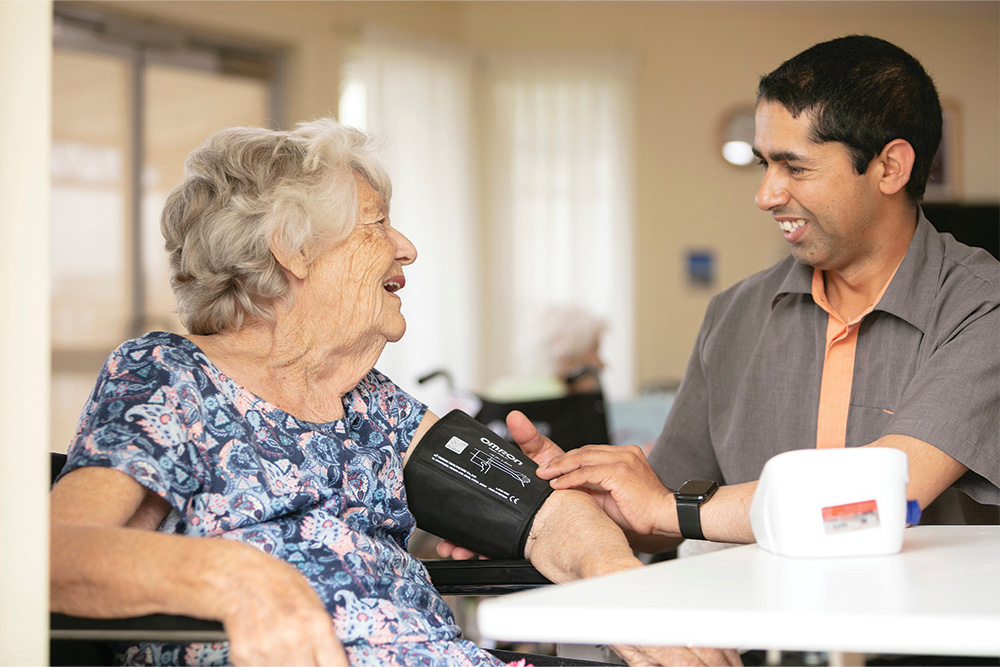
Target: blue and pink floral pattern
[(327, 498)]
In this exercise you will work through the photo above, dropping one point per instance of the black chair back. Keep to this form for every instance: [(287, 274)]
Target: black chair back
[(57, 462), (571, 421)]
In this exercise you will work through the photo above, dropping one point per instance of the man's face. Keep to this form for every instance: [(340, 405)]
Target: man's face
[(826, 210)]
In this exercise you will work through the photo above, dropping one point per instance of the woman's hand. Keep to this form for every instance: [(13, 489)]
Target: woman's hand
[(652, 656), (273, 616), (447, 549)]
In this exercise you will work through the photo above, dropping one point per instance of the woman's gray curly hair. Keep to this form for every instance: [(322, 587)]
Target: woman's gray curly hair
[(246, 188)]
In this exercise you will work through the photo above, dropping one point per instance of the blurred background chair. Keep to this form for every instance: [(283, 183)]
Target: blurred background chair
[(571, 421)]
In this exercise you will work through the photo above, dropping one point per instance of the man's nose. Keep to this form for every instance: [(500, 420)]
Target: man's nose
[(771, 192)]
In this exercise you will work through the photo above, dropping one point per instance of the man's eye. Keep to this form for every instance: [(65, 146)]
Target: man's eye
[(762, 163), (794, 170)]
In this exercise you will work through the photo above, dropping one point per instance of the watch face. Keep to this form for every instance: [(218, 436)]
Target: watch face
[(697, 488)]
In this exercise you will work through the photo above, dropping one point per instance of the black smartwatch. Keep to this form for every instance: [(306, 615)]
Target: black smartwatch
[(690, 497)]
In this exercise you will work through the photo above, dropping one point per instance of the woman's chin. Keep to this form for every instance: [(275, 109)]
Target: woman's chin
[(394, 333)]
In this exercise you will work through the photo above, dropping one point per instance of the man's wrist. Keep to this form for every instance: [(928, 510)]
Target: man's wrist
[(690, 498), (666, 518)]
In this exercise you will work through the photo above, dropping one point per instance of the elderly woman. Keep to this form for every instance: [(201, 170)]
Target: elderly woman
[(267, 426)]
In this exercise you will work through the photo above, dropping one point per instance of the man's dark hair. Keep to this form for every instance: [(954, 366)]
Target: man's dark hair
[(864, 92)]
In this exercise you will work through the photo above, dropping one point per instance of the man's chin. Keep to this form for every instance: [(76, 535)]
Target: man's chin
[(803, 256)]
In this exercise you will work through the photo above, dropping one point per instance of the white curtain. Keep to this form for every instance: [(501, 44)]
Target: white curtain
[(561, 193), (417, 98), (556, 134)]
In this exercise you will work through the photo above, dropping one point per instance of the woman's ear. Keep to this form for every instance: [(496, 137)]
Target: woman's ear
[(294, 262), (896, 160)]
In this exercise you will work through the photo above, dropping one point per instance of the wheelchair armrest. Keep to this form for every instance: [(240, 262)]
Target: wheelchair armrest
[(155, 627), (483, 577), (450, 577)]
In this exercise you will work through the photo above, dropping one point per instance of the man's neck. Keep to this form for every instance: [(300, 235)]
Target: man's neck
[(855, 290)]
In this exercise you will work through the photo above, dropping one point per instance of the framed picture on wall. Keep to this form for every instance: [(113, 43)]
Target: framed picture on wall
[(944, 182)]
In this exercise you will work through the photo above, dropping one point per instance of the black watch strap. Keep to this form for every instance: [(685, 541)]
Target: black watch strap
[(689, 498), (689, 519)]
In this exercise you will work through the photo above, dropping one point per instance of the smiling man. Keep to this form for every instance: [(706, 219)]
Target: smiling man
[(876, 330)]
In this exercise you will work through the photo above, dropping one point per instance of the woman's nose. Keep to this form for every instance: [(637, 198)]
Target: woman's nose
[(771, 192), (406, 252)]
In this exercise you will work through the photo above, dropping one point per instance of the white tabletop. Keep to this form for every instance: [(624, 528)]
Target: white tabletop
[(939, 596)]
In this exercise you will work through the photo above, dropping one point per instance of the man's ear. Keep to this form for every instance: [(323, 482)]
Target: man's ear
[(294, 262), (896, 160)]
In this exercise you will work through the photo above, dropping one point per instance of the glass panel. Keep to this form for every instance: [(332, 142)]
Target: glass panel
[(89, 166), (183, 106), (90, 221), (89, 161)]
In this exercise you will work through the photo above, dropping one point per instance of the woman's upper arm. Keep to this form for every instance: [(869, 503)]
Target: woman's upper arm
[(425, 424), (105, 497)]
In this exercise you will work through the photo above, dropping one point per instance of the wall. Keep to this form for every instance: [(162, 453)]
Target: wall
[(699, 59), (696, 60), (25, 57)]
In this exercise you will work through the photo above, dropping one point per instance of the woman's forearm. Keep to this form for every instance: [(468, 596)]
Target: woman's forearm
[(109, 572), (572, 538)]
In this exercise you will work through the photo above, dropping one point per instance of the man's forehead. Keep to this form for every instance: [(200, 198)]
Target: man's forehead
[(781, 135)]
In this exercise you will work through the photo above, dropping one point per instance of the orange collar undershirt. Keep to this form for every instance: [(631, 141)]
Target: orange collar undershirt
[(838, 367)]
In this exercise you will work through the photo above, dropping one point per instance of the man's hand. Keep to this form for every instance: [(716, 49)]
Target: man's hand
[(652, 656), (619, 478), (538, 447)]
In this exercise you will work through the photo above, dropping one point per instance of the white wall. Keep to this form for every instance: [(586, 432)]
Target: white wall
[(25, 64), (25, 58)]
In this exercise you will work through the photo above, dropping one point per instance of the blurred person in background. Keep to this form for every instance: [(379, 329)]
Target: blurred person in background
[(564, 352)]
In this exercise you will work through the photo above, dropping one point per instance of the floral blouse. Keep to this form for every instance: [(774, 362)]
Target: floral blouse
[(326, 498)]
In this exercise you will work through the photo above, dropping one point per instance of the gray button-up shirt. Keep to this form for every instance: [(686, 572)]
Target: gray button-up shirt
[(927, 365)]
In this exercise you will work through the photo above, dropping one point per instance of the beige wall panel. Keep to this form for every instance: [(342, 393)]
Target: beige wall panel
[(25, 69), (696, 60)]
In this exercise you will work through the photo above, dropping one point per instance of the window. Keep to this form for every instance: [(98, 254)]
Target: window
[(418, 99), (548, 138), (130, 101), (561, 218)]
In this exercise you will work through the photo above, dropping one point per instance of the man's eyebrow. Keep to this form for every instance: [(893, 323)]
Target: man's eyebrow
[(780, 156)]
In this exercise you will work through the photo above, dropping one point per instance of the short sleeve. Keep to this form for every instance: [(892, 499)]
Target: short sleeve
[(953, 403), (393, 411), (140, 420), (684, 449)]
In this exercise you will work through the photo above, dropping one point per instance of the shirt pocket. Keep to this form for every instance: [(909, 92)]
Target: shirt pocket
[(866, 424)]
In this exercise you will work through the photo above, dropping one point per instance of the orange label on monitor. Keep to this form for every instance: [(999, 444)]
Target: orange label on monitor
[(853, 516)]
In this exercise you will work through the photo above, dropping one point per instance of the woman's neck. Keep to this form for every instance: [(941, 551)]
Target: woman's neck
[(290, 368)]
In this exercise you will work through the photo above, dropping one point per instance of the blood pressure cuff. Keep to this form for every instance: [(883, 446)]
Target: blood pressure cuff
[(470, 486)]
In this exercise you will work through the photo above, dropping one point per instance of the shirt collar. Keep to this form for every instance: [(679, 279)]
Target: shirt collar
[(910, 294), (798, 280)]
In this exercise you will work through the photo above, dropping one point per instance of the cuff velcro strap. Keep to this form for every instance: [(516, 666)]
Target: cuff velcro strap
[(470, 486)]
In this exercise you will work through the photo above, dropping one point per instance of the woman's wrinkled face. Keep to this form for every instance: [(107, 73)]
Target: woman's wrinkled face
[(356, 281)]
